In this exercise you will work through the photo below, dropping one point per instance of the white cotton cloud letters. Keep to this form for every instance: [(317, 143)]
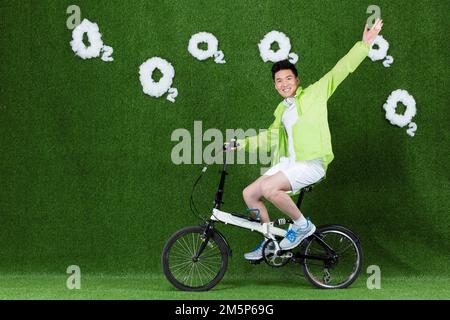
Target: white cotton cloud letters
[(96, 45), (381, 52), (284, 51), (212, 47), (159, 88), (401, 120)]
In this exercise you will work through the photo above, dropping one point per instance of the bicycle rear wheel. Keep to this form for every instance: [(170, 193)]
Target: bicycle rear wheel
[(344, 253), (187, 273)]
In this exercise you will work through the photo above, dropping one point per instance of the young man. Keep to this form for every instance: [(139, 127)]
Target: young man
[(299, 141)]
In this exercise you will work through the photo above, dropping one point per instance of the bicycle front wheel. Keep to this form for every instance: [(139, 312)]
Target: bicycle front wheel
[(341, 257), (187, 272)]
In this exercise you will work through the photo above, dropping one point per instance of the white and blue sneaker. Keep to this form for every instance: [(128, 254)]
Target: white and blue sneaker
[(295, 235), (257, 253)]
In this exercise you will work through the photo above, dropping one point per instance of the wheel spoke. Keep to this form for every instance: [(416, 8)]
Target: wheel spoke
[(180, 246), (207, 268), (210, 254), (345, 249), (186, 245), (181, 272), (199, 275), (194, 245), (208, 273), (180, 255), (174, 266)]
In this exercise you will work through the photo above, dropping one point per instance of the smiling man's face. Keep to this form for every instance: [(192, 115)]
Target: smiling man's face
[(286, 83)]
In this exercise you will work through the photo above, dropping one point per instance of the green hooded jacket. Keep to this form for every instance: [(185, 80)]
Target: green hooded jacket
[(311, 134)]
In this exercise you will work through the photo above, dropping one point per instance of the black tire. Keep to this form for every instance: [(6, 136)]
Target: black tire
[(184, 273), (338, 273)]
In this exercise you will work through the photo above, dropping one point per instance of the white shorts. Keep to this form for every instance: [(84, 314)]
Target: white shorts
[(299, 173)]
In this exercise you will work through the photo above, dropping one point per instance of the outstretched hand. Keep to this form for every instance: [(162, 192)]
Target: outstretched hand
[(230, 146), (370, 34)]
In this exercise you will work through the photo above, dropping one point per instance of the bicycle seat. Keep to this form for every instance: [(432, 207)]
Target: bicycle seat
[(305, 189)]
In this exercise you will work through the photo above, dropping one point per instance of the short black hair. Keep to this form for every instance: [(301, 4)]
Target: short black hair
[(283, 65)]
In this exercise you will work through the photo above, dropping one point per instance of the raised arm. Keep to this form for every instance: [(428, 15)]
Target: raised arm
[(349, 62)]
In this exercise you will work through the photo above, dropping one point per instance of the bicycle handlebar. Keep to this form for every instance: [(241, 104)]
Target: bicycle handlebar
[(229, 146)]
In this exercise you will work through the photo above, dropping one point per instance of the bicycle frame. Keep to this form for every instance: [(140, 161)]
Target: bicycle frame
[(269, 230)]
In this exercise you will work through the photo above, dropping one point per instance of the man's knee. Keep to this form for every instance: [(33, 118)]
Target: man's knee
[(247, 194), (268, 190)]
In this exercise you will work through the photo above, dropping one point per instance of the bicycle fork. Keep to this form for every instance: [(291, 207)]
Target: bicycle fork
[(207, 234)]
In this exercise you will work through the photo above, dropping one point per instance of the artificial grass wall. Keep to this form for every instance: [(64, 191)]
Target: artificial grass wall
[(85, 164)]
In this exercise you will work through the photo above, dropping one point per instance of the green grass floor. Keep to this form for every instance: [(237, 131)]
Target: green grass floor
[(155, 287)]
